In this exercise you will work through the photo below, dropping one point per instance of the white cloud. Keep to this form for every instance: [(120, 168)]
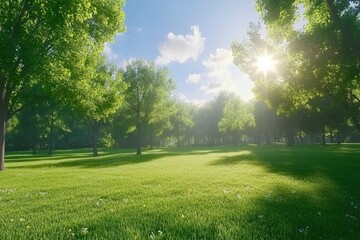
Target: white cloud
[(180, 48), (218, 64), (183, 98), (109, 53), (224, 75), (193, 78)]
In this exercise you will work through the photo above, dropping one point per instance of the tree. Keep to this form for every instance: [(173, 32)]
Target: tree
[(182, 122), (329, 63), (48, 41), (148, 88), (159, 119), (209, 116), (266, 64), (237, 116), (103, 98)]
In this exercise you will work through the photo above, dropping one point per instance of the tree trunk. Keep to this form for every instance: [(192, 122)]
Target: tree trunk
[(2, 139), (151, 138), (290, 141), (331, 136), (301, 137), (95, 129), (323, 136), (338, 136), (51, 133), (138, 139), (34, 138)]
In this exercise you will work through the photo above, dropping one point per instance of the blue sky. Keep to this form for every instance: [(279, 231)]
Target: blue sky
[(192, 38)]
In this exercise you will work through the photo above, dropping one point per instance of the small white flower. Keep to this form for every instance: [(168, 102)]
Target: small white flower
[(350, 216), (84, 230), (22, 220), (304, 229)]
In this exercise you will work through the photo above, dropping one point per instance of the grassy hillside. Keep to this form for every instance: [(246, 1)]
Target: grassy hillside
[(248, 192)]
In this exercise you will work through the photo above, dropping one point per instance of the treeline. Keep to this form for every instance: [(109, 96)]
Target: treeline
[(225, 120)]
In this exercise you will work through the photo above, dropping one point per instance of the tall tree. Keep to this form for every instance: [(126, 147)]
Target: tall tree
[(43, 39), (103, 98), (148, 88)]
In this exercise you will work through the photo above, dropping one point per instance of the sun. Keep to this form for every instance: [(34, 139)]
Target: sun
[(265, 63)]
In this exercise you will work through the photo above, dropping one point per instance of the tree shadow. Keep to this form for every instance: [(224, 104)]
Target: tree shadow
[(334, 170), (301, 161), (290, 213), (107, 157)]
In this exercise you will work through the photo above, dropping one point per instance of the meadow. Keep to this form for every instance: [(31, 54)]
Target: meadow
[(245, 192)]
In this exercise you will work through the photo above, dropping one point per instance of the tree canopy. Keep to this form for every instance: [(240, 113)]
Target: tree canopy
[(317, 57), (148, 89), (50, 41)]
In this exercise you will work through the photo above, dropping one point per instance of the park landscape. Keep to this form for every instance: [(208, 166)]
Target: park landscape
[(91, 149)]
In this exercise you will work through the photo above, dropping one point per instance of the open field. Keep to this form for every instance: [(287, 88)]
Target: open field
[(247, 192)]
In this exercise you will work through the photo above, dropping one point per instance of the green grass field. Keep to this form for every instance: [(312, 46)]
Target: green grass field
[(247, 192)]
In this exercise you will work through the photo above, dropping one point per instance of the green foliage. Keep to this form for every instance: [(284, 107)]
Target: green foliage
[(50, 41), (148, 89), (208, 117), (105, 93), (237, 116), (182, 124)]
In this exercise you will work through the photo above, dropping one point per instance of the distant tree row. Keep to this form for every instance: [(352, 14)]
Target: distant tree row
[(149, 116)]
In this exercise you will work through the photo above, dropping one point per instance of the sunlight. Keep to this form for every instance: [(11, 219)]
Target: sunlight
[(265, 63)]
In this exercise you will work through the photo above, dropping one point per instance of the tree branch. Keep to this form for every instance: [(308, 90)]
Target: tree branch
[(348, 36)]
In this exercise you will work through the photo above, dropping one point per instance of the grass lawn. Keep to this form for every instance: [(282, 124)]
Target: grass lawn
[(247, 192)]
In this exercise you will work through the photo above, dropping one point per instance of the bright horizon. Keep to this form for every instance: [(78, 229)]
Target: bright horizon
[(192, 39)]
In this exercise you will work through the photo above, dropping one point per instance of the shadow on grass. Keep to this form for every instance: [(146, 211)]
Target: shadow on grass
[(328, 211), (107, 157), (288, 213), (301, 161), (105, 161)]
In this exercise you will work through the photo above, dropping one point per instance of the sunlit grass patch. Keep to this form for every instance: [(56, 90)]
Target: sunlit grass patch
[(248, 192)]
